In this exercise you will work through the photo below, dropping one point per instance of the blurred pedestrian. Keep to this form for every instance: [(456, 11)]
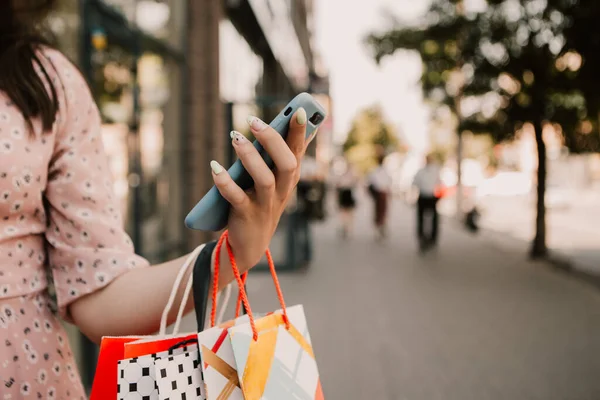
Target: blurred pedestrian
[(61, 219), (309, 198), (380, 184), (345, 184), (429, 186)]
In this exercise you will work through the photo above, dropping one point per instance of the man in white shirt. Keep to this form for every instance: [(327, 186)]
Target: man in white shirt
[(428, 183)]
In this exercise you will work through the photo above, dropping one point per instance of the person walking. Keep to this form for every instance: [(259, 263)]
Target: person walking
[(428, 183), (345, 185), (60, 217), (380, 184), (309, 193)]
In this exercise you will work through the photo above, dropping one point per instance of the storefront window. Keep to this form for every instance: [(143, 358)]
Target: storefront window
[(154, 94), (125, 7), (241, 69), (166, 149), (162, 19), (112, 86), (158, 110)]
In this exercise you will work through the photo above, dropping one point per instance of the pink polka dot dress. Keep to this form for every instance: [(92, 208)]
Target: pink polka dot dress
[(59, 222)]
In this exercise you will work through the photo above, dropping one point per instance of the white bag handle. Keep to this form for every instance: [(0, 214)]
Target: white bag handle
[(190, 261)]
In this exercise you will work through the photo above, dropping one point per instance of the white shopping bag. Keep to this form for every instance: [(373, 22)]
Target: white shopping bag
[(180, 377), (137, 376), (273, 355), (145, 375)]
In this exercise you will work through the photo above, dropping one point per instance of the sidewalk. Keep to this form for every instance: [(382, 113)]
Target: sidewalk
[(572, 232), (468, 321)]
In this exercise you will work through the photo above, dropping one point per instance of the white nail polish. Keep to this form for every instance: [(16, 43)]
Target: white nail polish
[(238, 137), (301, 116), (216, 167), (256, 123)]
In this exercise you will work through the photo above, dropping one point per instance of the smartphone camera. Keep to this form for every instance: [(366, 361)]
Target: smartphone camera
[(316, 118)]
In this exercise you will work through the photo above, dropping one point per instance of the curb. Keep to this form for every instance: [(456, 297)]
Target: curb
[(565, 264), (556, 259)]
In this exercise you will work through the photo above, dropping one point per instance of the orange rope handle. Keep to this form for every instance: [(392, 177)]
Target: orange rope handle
[(215, 288), (238, 306), (243, 295), (286, 320), (241, 281)]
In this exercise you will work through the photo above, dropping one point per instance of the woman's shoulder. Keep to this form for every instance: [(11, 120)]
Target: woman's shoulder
[(74, 94), (60, 69), (55, 56)]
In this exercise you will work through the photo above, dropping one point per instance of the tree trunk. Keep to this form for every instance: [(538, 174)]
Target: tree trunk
[(459, 183), (539, 248)]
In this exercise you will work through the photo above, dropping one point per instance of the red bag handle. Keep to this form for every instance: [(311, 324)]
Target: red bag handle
[(241, 280)]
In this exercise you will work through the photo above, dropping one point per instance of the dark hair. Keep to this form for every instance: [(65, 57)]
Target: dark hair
[(20, 41)]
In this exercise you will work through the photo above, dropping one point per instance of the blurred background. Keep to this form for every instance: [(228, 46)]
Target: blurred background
[(503, 94)]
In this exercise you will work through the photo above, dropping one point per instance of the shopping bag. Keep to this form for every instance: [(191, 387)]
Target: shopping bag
[(115, 349), (166, 375), (218, 365), (137, 375), (149, 346), (181, 376), (105, 379), (280, 362), (273, 354)]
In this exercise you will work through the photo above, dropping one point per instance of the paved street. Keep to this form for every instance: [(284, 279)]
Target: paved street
[(466, 322)]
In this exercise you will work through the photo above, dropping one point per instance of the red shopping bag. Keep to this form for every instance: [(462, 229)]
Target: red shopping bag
[(112, 350), (115, 349), (143, 347)]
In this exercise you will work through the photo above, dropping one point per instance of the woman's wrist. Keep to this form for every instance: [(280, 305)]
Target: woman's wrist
[(226, 275)]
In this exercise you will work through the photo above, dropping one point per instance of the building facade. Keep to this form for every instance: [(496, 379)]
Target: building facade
[(171, 78)]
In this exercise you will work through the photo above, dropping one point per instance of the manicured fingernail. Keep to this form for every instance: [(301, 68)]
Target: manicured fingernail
[(256, 124), (301, 116), (238, 137), (216, 167)]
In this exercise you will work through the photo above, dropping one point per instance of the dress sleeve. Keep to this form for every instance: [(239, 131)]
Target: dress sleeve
[(87, 245)]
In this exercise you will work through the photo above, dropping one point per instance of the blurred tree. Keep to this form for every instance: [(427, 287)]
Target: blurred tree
[(369, 135), (580, 61), (446, 43), (519, 78), (507, 60)]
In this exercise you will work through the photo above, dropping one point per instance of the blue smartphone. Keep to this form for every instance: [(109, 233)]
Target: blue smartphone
[(212, 211)]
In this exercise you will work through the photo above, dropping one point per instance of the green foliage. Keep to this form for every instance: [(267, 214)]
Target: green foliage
[(510, 54), (444, 39), (582, 39), (522, 61), (370, 133)]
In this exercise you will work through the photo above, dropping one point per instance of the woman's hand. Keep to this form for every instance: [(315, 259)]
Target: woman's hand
[(255, 214)]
